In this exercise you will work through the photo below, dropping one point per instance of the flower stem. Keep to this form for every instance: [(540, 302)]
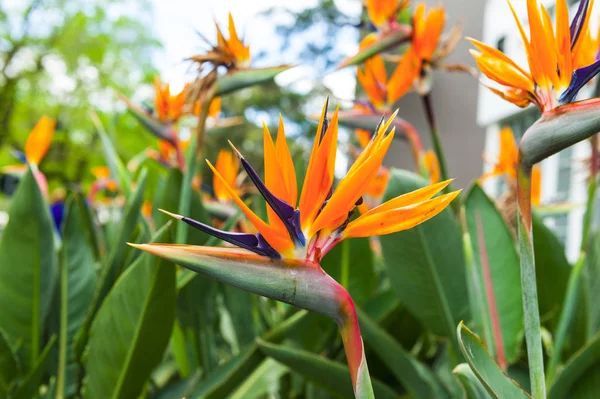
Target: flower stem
[(354, 348), (435, 138), (437, 148), (531, 312)]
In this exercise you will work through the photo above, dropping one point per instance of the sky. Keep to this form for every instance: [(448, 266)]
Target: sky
[(176, 22)]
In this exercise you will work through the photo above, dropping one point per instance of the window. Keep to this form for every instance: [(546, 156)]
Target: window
[(521, 122), (558, 224)]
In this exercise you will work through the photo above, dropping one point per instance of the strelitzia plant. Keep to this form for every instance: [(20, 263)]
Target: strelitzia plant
[(37, 145), (162, 121), (561, 61), (282, 260)]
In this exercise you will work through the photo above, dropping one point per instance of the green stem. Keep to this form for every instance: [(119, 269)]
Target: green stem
[(435, 138), (531, 311), (438, 149), (566, 316)]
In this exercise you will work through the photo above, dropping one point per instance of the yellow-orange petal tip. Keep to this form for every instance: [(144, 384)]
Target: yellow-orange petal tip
[(173, 215)]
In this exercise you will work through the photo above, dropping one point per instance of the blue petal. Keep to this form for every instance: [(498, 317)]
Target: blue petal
[(284, 211), (242, 240), (577, 22), (579, 79), (19, 155)]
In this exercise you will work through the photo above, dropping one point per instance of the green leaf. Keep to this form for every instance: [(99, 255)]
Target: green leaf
[(77, 283), (329, 375), (580, 378), (117, 169), (224, 379), (351, 264), (552, 270), (27, 270), (504, 270), (132, 329), (383, 43), (593, 283), (415, 377), (498, 384), (31, 383), (115, 263), (246, 78), (426, 264), (9, 365), (262, 382), (470, 383)]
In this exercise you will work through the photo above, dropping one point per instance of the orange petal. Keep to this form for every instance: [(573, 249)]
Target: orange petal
[(563, 43), (408, 199), (429, 34), (402, 79), (585, 48), (320, 172), (214, 109), (286, 164), (509, 153), (101, 172), (280, 242), (432, 165), (497, 66), (543, 52), (351, 188), (381, 11), (39, 139), (398, 219), (228, 166)]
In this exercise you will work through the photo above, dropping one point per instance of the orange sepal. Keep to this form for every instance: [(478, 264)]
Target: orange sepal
[(39, 139), (398, 219)]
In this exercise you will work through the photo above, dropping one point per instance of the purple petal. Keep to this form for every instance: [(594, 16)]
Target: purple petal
[(578, 20), (579, 79), (242, 240), (20, 156), (283, 210)]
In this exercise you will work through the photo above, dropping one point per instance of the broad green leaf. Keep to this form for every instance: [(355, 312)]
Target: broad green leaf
[(117, 169), (383, 43), (31, 383), (332, 376), (27, 270), (593, 283), (502, 267), (498, 384), (415, 377), (246, 78), (470, 383), (77, 283), (262, 382), (580, 378), (351, 264), (426, 264), (131, 330), (9, 365), (552, 270), (114, 265), (239, 304)]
